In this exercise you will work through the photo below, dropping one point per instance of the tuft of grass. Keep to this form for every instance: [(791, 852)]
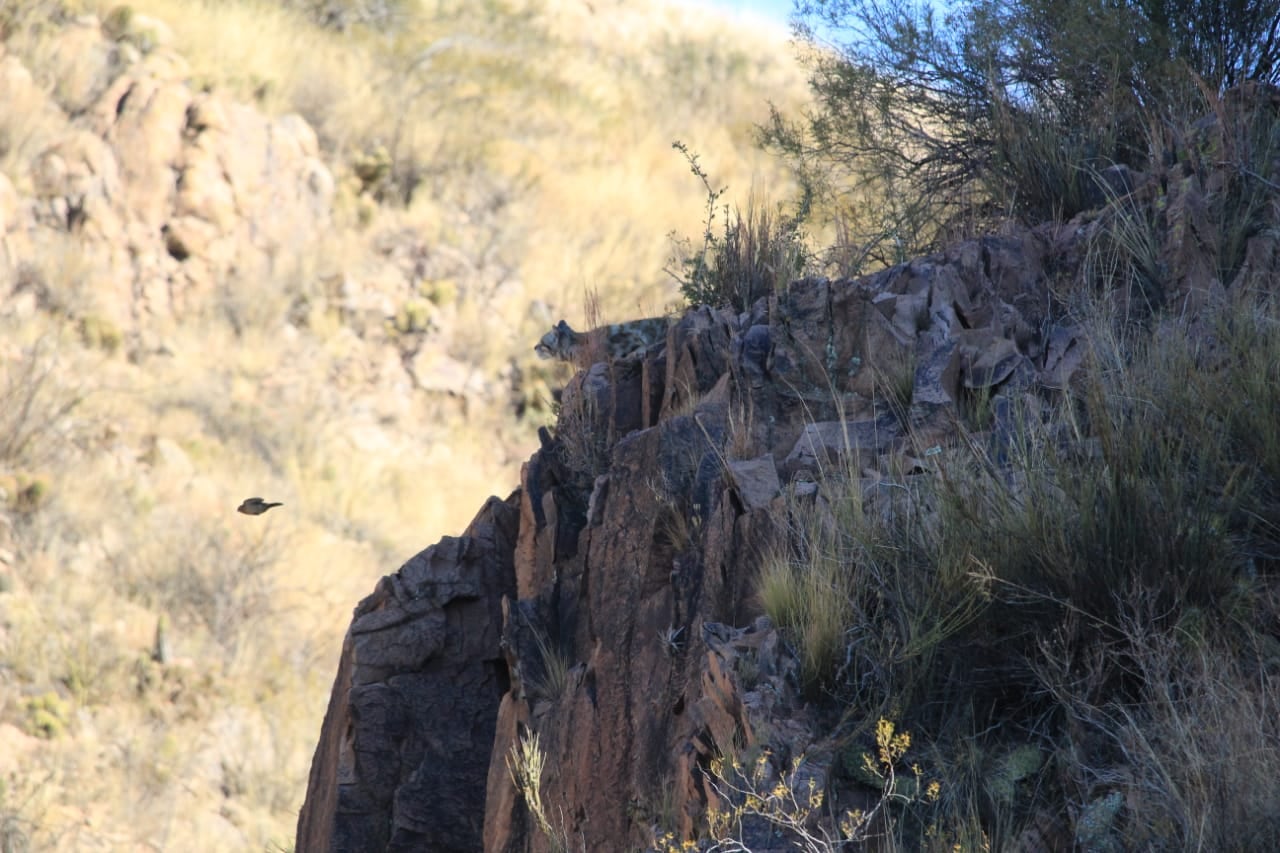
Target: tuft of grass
[(759, 252), (1233, 160), (526, 762), (679, 524), (810, 600), (895, 379), (552, 677), (862, 591), (1126, 256)]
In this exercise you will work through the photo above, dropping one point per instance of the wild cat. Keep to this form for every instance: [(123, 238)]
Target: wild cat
[(618, 340)]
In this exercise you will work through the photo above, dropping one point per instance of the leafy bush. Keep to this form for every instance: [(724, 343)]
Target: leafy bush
[(48, 715), (1002, 108)]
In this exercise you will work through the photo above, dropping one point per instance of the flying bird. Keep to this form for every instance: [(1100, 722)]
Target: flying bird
[(256, 506)]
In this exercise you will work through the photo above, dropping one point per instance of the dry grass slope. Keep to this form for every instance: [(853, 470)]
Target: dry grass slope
[(164, 661)]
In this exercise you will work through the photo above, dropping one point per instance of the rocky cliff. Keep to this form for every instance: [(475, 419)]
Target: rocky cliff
[(639, 574), (608, 604), (168, 191)]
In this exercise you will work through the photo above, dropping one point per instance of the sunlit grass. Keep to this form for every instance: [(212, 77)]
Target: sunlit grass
[(527, 155)]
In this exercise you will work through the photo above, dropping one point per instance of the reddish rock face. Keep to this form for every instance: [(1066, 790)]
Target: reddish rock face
[(597, 607), (406, 742), (609, 606)]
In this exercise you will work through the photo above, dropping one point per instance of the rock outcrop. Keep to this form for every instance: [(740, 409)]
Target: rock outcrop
[(640, 526), (407, 736), (631, 643), (165, 191)]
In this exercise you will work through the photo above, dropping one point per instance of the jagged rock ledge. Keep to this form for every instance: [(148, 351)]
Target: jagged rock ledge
[(627, 556), (607, 604)]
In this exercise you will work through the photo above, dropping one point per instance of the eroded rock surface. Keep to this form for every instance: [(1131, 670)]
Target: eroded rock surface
[(640, 526), (405, 746), (631, 637)]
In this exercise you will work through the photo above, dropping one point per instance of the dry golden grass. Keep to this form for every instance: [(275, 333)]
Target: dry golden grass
[(537, 149), (582, 107)]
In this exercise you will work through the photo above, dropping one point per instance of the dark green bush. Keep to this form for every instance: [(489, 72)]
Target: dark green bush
[(1003, 108)]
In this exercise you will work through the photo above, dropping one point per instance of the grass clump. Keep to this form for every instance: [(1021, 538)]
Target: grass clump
[(97, 332), (1102, 581), (526, 763), (414, 317), (551, 680), (866, 591), (584, 433), (758, 253), (47, 715), (811, 599)]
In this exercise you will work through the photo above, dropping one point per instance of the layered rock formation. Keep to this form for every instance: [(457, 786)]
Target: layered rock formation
[(630, 641), (625, 587)]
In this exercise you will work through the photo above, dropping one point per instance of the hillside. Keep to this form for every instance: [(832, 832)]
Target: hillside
[(246, 254)]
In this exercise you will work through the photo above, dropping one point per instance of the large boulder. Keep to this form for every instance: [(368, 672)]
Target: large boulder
[(406, 741)]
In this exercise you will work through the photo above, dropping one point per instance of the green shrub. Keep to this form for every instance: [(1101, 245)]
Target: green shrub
[(372, 169), (47, 715), (32, 495), (1003, 108), (441, 292), (413, 317), (100, 333)]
